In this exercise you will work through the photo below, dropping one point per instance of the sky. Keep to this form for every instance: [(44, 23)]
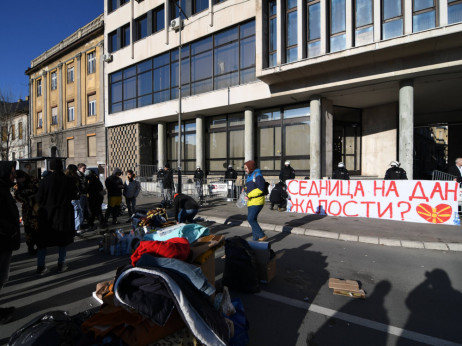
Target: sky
[(29, 28)]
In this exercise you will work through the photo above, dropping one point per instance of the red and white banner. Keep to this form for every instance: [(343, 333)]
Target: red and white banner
[(405, 200)]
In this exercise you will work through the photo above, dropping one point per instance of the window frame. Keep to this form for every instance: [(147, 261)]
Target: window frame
[(39, 87), (91, 62), (91, 136), (70, 73), (91, 101), (272, 41), (416, 13), (39, 119), (54, 117), (70, 113), (362, 27), (451, 4), (391, 19), (289, 12), (337, 34), (54, 80), (315, 40)]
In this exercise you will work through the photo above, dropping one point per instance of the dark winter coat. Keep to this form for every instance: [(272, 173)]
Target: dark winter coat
[(183, 202), (279, 193), (95, 193), (168, 179), (56, 212), (341, 173), (455, 172), (395, 173), (114, 186), (287, 173), (230, 174), (160, 175), (198, 175), (83, 186), (9, 214)]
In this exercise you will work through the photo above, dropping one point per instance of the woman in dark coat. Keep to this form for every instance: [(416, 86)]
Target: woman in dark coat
[(9, 229), (56, 214)]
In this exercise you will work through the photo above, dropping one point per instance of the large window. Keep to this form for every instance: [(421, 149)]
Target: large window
[(141, 27), (454, 11), (158, 19), (54, 116), (39, 120), (364, 22), (291, 31), (337, 25), (91, 62), (272, 33), (70, 73), (214, 62), (119, 38), (39, 87), (392, 18), (189, 7), (290, 130), (54, 81), (188, 147), (113, 5), (70, 111), (423, 15), (225, 142), (314, 28)]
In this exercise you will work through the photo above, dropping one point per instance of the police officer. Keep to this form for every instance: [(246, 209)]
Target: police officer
[(230, 178), (199, 180), (160, 181), (395, 172), (341, 173)]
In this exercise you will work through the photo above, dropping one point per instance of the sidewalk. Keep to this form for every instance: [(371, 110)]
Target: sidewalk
[(353, 229)]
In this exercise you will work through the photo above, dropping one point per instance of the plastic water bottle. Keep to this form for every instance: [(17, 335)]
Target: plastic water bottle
[(289, 205), (456, 219)]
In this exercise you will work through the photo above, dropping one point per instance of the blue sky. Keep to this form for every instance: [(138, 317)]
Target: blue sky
[(29, 28)]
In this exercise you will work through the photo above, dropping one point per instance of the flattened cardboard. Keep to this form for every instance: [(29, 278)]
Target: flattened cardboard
[(203, 254), (349, 288)]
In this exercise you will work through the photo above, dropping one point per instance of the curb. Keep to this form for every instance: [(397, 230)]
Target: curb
[(408, 244)]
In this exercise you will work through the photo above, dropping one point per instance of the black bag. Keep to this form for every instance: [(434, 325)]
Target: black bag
[(266, 189), (240, 272)]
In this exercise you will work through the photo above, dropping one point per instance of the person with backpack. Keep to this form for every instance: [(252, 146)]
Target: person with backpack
[(255, 188)]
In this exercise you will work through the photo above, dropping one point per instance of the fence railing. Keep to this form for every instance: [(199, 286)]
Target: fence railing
[(439, 175)]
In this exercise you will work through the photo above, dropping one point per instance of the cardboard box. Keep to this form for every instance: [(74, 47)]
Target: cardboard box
[(203, 254), (266, 266), (349, 288)]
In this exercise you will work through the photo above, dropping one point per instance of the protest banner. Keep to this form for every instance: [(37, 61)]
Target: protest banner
[(404, 200)]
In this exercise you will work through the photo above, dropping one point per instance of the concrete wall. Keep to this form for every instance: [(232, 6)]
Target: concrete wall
[(379, 139)]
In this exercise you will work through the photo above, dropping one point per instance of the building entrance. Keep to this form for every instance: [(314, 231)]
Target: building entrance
[(347, 139)]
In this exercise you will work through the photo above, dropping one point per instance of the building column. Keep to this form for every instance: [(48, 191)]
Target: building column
[(327, 131), (315, 137), (249, 135), (406, 126), (45, 103), (60, 97), (161, 145), (200, 142), (30, 119), (78, 103), (101, 82)]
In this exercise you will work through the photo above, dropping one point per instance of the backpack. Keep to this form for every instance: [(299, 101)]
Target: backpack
[(266, 189)]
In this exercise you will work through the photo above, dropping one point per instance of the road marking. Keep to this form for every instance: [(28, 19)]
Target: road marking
[(357, 320)]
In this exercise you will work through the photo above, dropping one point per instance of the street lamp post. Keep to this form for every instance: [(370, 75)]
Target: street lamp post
[(179, 92)]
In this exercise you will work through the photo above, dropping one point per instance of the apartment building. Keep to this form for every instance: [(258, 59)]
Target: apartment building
[(66, 98), (315, 82), (14, 138)]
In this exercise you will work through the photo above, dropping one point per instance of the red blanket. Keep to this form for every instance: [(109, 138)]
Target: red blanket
[(173, 248)]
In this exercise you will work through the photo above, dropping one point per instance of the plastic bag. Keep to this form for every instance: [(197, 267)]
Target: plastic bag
[(241, 202)]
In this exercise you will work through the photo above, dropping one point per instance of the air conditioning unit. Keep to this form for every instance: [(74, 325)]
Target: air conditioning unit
[(175, 23), (107, 57)]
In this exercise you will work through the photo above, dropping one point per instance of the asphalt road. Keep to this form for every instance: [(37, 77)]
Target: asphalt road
[(413, 296)]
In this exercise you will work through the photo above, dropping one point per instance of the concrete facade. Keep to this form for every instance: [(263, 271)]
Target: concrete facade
[(69, 76), (394, 84)]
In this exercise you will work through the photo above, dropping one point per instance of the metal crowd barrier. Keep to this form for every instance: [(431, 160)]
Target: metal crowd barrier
[(439, 175)]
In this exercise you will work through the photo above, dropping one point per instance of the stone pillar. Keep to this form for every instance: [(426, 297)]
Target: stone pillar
[(406, 126), (200, 142), (60, 97), (327, 130), (78, 102), (101, 82), (161, 145), (45, 103), (249, 135), (315, 137)]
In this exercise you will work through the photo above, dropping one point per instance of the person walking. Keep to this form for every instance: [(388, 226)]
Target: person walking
[(9, 229), (395, 172), (341, 173), (185, 208), (287, 172), (95, 199), (199, 181), (132, 189), (456, 170), (254, 187), (230, 179), (25, 192), (114, 186), (168, 184), (71, 172), (56, 215)]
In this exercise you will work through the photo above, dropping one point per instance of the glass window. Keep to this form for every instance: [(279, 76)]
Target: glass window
[(159, 19), (70, 73), (54, 116), (39, 120), (39, 87), (54, 80), (424, 15), (291, 31), (272, 33), (337, 25), (92, 105), (141, 27), (392, 20), (454, 11), (200, 5), (91, 66), (112, 38), (314, 29), (145, 83), (364, 30), (70, 112)]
